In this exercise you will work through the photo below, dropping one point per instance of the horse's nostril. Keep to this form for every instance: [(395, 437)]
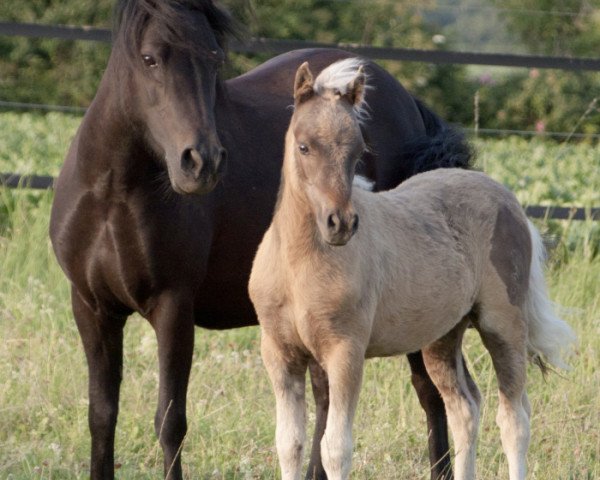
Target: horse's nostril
[(191, 162), (222, 155), (222, 161)]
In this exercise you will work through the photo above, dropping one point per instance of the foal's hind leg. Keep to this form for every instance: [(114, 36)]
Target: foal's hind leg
[(320, 387), (504, 335), (288, 377), (445, 365)]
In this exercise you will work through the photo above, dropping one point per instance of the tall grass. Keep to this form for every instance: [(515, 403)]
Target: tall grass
[(43, 398)]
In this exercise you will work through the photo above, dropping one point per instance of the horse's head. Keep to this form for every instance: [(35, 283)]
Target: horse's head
[(326, 143), (170, 52)]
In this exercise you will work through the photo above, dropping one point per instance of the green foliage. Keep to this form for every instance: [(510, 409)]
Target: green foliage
[(542, 100), (35, 143), (53, 71), (554, 27), (64, 72), (383, 23)]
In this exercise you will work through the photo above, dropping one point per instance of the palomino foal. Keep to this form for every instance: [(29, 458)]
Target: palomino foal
[(445, 249)]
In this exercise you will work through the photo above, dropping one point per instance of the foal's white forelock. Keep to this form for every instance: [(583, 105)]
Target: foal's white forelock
[(338, 76)]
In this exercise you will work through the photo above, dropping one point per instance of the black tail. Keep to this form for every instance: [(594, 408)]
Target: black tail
[(443, 146)]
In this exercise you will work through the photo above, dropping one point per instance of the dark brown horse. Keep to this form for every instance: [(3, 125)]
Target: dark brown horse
[(131, 238)]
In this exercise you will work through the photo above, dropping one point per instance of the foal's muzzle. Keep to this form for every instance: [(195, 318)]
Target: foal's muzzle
[(200, 170), (340, 227)]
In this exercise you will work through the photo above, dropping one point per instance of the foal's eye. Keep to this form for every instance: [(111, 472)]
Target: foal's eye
[(303, 149), (149, 61)]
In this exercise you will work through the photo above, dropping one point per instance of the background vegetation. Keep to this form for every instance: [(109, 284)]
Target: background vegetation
[(43, 399), (66, 72)]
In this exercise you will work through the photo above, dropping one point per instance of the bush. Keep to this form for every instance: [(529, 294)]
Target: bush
[(542, 100)]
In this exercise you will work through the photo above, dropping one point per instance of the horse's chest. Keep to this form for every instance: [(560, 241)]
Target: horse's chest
[(107, 256)]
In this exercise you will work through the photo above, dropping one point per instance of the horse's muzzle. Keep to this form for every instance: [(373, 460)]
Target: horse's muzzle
[(200, 170)]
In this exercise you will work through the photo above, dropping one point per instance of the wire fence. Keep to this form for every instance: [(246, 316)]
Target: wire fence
[(276, 46)]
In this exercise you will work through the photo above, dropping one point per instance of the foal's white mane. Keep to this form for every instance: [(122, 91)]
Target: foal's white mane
[(338, 77)]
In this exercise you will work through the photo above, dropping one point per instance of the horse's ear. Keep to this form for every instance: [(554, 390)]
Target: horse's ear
[(303, 85), (356, 88)]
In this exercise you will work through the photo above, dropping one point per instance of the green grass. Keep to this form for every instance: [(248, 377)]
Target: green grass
[(43, 398), (33, 143)]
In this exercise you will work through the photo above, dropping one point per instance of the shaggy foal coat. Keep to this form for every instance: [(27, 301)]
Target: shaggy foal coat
[(444, 249)]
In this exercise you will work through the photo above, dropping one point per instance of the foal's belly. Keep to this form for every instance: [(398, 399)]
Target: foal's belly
[(407, 330)]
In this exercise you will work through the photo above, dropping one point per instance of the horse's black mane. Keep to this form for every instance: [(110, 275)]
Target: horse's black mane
[(132, 16)]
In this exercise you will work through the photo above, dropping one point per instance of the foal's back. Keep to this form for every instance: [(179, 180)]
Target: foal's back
[(439, 241)]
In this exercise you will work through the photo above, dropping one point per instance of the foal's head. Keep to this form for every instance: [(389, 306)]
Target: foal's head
[(327, 143), (167, 55)]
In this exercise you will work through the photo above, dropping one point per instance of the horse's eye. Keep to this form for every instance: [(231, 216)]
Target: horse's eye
[(149, 61), (303, 149)]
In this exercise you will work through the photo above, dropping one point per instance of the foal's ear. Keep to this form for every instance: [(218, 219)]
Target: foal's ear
[(303, 85), (355, 92)]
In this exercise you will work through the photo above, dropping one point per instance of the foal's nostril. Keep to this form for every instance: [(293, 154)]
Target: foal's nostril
[(333, 223), (354, 224)]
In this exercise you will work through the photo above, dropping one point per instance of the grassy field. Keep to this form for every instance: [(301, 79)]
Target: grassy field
[(43, 398)]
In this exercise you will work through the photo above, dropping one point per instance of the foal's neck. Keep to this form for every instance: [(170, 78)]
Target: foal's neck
[(294, 221)]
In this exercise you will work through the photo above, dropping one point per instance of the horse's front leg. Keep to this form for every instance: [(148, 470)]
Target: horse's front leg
[(173, 323), (320, 388), (288, 377), (102, 337), (344, 367), (437, 426)]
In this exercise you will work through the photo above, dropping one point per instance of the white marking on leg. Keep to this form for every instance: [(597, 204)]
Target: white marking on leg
[(463, 419), (289, 388), (336, 447), (513, 420), (291, 428), (344, 369)]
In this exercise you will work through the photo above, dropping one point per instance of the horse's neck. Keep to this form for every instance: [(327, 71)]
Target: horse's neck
[(107, 143)]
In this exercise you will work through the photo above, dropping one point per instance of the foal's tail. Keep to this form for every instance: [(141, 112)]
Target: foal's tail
[(550, 337), (442, 146)]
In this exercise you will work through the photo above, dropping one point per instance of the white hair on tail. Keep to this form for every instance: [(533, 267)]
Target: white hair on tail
[(338, 76), (550, 337)]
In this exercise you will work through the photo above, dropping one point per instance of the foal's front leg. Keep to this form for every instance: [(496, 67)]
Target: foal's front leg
[(344, 366), (288, 377), (320, 388)]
